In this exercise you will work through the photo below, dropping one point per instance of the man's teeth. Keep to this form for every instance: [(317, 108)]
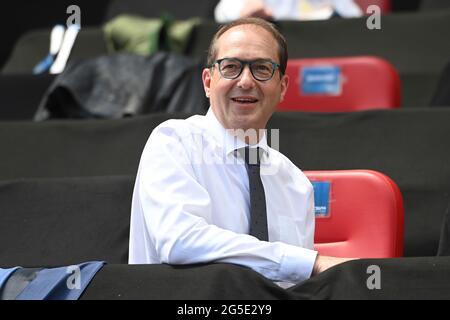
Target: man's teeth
[(244, 100)]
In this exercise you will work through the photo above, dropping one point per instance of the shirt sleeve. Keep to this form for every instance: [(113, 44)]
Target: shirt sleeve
[(176, 209), (228, 10), (347, 8)]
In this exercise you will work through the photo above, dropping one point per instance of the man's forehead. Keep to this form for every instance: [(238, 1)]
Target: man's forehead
[(244, 29), (248, 36)]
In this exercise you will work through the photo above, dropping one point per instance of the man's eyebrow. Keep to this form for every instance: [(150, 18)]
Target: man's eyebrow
[(255, 59)]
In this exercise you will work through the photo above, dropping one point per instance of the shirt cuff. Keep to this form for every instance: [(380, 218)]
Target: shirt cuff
[(297, 263)]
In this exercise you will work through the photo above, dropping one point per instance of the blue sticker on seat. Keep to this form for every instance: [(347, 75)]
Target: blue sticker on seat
[(321, 80), (321, 198)]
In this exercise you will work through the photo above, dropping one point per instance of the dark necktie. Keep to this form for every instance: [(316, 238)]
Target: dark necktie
[(258, 213)]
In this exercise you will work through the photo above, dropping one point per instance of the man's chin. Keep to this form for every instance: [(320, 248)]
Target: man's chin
[(244, 108), (245, 121)]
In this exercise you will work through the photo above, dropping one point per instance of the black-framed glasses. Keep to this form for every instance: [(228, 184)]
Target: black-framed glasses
[(261, 69)]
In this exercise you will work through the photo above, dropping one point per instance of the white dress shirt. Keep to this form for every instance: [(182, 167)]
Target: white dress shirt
[(229, 10), (191, 203)]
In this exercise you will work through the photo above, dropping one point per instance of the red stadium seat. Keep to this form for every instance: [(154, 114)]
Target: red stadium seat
[(385, 5), (360, 216), (341, 85)]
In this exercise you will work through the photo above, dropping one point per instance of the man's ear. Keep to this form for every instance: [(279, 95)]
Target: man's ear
[(284, 86), (206, 78)]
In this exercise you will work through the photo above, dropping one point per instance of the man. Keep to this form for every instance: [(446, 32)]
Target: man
[(197, 197)]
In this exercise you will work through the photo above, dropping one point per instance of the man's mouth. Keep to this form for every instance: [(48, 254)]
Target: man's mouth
[(245, 100)]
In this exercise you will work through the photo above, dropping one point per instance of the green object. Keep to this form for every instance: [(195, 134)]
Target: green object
[(133, 34), (179, 34)]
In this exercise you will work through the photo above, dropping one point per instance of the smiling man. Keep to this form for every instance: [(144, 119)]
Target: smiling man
[(203, 191), (245, 98)]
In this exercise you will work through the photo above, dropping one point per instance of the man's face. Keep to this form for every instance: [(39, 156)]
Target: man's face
[(245, 102)]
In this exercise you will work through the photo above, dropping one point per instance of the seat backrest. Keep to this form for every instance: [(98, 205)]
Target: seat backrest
[(34, 45), (384, 5), (15, 104), (49, 222), (341, 84), (434, 5), (155, 9), (359, 213)]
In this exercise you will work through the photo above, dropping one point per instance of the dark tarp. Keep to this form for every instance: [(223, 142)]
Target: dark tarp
[(209, 281), (74, 148), (155, 9), (21, 94), (49, 222), (434, 4), (441, 95), (403, 278), (401, 5), (444, 241)]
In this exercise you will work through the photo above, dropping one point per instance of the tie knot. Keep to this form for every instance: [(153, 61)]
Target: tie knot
[(252, 156)]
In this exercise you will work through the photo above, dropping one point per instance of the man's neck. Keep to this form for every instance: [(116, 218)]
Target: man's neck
[(250, 136)]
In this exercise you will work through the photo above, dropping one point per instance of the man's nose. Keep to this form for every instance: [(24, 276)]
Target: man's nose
[(246, 80)]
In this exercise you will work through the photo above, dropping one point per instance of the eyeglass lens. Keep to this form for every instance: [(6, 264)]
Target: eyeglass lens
[(232, 68)]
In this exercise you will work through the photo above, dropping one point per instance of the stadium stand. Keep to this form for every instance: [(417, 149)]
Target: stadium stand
[(88, 218), (66, 185), (97, 12), (82, 185), (406, 145), (419, 60), (22, 16), (408, 41), (57, 221)]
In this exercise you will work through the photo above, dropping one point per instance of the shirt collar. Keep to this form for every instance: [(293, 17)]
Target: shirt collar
[(230, 142)]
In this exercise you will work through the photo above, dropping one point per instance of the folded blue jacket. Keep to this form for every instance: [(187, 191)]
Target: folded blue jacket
[(63, 283)]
